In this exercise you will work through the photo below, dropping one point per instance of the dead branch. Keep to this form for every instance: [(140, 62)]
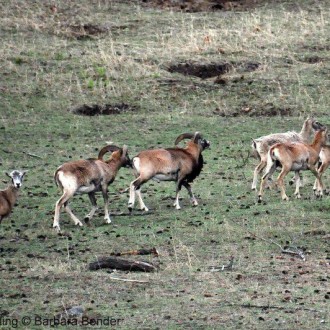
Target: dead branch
[(229, 266), (127, 280), (290, 250), (122, 264), (32, 155), (265, 307)]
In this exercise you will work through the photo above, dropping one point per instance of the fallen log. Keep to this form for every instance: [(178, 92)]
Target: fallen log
[(122, 264)]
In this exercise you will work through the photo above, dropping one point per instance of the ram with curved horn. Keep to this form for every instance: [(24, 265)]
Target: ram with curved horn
[(87, 177), (181, 165)]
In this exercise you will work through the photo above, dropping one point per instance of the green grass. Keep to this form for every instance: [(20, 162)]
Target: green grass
[(47, 71)]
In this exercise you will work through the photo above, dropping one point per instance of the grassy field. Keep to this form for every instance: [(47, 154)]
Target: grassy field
[(232, 75)]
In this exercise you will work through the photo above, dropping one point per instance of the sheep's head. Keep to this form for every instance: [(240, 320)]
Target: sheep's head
[(196, 137), (311, 122), (122, 153), (16, 178)]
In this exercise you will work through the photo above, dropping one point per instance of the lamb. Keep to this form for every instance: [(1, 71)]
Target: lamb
[(261, 145), (324, 162), (9, 196), (294, 157), (181, 165), (87, 177)]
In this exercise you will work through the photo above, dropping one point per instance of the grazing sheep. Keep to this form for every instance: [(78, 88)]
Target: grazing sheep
[(324, 162), (181, 165), (87, 177), (261, 145), (294, 157), (9, 196)]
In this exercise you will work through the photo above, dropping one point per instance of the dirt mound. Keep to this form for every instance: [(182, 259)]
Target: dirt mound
[(107, 109), (200, 5), (209, 70), (199, 69)]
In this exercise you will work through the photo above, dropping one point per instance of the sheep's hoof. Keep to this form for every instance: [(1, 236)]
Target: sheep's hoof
[(57, 228), (286, 198), (259, 199), (130, 209), (144, 209), (107, 220), (298, 196)]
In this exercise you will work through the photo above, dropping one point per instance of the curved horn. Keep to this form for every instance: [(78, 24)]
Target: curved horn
[(108, 148), (182, 137), (124, 150), (197, 136)]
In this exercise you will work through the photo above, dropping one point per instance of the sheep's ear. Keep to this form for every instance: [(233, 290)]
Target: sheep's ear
[(24, 172), (8, 174)]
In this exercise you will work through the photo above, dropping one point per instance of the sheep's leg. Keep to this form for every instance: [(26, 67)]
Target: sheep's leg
[(64, 198), (319, 165), (256, 172), (318, 175), (131, 200), (280, 182), (192, 197), (76, 221), (178, 189), (134, 188), (142, 205), (92, 198), (269, 171), (323, 167), (106, 203), (297, 179), (294, 179)]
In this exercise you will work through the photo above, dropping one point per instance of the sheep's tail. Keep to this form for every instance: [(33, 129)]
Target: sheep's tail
[(255, 152), (56, 179), (272, 161)]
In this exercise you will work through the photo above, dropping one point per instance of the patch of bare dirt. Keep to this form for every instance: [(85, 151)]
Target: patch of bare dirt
[(202, 5), (200, 70), (107, 109), (209, 70)]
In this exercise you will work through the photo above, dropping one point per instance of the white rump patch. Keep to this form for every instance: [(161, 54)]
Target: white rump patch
[(67, 180), (136, 164)]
